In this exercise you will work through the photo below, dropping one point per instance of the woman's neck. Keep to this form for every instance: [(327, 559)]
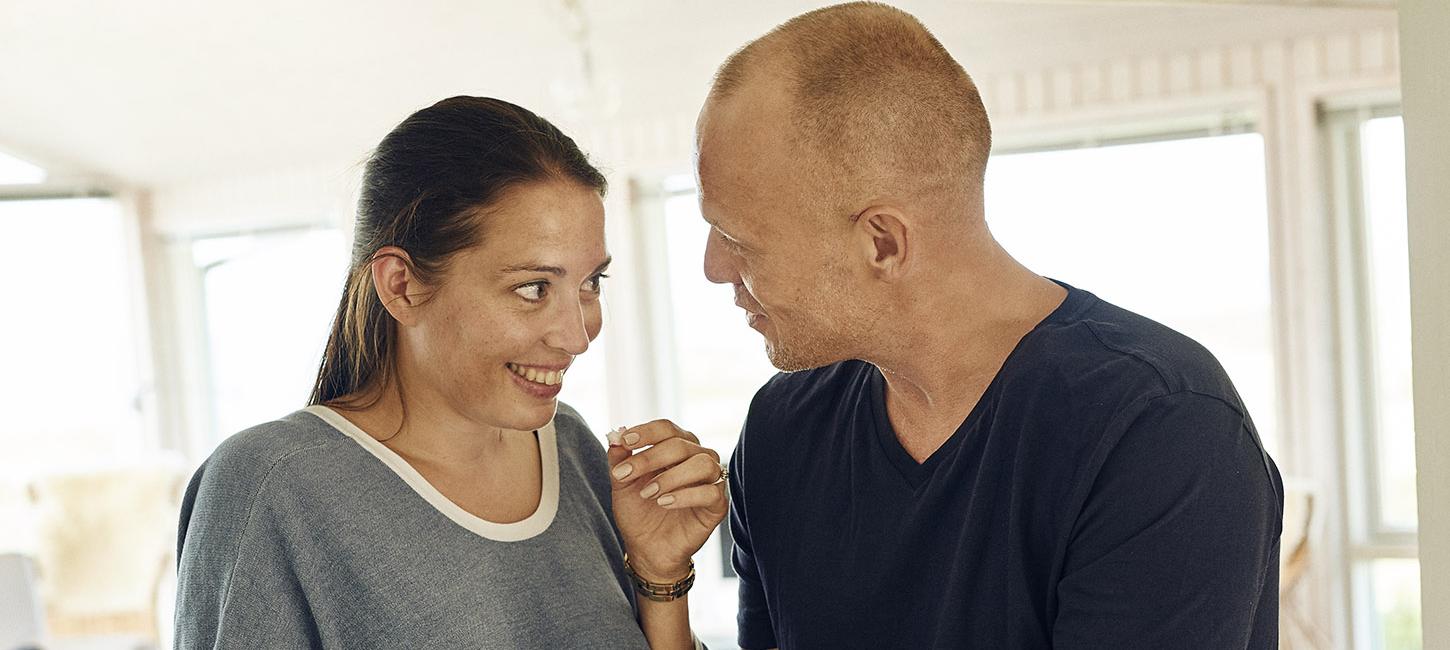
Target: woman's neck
[(419, 424)]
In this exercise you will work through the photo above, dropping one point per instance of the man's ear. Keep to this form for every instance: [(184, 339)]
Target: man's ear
[(397, 285), (883, 233)]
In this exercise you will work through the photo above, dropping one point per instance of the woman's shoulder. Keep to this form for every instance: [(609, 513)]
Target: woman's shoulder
[(244, 463), (262, 447), (243, 472)]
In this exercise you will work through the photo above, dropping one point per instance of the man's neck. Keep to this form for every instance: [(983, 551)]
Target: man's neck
[(950, 349)]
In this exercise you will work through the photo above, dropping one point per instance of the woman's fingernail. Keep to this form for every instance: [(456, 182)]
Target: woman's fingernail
[(631, 438), (622, 470), (666, 500), (649, 490)]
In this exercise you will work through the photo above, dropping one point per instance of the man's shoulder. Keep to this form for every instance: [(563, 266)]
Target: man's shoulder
[(1104, 348)]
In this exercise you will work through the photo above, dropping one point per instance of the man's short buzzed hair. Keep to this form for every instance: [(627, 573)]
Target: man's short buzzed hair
[(875, 93)]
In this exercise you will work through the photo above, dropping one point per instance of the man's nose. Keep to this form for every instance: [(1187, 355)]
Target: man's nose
[(719, 263)]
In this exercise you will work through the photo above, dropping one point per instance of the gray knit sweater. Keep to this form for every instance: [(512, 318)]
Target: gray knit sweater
[(307, 533)]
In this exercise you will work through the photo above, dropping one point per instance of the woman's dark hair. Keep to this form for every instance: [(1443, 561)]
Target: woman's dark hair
[(424, 190)]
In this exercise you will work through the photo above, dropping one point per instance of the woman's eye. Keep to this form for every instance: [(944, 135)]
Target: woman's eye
[(595, 284), (533, 292)]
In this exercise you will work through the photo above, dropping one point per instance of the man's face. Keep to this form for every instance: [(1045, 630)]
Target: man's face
[(769, 238)]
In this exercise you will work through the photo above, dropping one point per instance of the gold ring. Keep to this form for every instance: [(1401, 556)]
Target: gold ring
[(724, 474)]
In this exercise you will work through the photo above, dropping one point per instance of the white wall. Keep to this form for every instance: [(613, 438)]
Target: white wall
[(1425, 29)]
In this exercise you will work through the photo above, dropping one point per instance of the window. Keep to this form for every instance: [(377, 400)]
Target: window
[(71, 389), (70, 338), (1368, 160), (268, 300)]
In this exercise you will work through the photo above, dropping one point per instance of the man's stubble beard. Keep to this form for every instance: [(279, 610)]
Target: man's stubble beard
[(825, 334)]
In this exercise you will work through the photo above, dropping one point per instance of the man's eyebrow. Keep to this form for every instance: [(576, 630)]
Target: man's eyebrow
[(551, 270)]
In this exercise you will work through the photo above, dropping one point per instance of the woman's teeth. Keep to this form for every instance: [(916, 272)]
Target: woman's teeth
[(545, 377)]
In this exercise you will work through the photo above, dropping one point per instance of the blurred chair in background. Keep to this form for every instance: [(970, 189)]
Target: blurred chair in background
[(106, 550)]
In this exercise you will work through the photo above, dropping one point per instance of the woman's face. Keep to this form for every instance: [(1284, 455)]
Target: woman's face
[(509, 315)]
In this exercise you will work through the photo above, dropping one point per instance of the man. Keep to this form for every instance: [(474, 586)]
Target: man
[(961, 453)]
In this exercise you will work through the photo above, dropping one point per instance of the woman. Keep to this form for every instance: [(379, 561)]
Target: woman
[(435, 494)]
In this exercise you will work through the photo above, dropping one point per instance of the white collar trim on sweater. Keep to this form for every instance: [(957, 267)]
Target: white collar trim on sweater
[(531, 526)]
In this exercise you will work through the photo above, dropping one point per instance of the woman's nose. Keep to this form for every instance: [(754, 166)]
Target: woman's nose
[(570, 332)]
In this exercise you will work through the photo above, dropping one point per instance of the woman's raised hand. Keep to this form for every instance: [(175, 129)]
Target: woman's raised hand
[(669, 495)]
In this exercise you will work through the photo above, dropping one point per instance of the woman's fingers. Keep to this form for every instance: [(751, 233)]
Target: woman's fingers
[(653, 433), (700, 469), (616, 455), (660, 457), (710, 497)]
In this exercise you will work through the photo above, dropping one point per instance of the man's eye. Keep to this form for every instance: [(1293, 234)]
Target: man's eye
[(534, 292), (732, 244)]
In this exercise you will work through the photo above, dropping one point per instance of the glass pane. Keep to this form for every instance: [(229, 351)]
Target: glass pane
[(69, 337), (269, 303), (1174, 230), (1383, 149), (1395, 590)]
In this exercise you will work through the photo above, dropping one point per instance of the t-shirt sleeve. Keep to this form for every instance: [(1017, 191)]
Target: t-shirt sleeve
[(753, 618), (1176, 545), (235, 585)]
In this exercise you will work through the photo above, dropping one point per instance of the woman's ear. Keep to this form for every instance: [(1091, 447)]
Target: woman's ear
[(397, 285), (883, 232)]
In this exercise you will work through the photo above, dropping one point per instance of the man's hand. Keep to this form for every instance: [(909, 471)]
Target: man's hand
[(668, 497)]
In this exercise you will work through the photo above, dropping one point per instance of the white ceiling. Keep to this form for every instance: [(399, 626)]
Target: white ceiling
[(162, 91)]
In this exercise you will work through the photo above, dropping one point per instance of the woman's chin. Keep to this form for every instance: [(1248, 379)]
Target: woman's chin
[(534, 416)]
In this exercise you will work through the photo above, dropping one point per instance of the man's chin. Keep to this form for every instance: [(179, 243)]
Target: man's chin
[(788, 359)]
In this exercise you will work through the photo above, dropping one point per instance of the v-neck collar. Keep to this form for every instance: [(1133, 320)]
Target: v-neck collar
[(916, 474)]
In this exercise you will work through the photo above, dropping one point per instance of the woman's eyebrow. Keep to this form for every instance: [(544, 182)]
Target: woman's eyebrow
[(535, 267)]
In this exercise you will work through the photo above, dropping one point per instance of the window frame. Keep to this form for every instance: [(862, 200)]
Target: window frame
[(1365, 537)]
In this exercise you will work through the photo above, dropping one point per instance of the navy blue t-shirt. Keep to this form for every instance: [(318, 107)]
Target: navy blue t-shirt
[(1107, 491)]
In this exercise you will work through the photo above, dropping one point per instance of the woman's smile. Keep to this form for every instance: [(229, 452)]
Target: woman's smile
[(539, 381)]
